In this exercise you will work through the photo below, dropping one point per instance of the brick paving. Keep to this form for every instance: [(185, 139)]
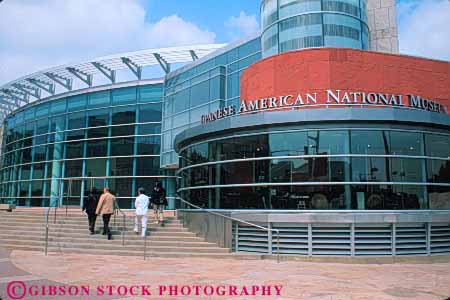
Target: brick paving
[(300, 280)]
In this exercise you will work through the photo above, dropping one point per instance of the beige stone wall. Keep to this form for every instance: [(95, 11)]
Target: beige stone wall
[(382, 19)]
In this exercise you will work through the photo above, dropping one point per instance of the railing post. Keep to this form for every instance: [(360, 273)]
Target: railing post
[(309, 239), (145, 247), (394, 238), (278, 246), (428, 224), (269, 239), (46, 238), (123, 231), (236, 236), (352, 239)]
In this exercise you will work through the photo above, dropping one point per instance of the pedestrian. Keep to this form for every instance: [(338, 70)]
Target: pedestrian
[(141, 205), (90, 207), (159, 201), (105, 207)]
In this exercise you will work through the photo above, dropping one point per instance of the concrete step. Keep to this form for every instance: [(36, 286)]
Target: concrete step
[(170, 223), (68, 231), (117, 241), (114, 246), (128, 237), (150, 254), (41, 227)]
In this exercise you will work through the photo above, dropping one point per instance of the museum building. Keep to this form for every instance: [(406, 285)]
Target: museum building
[(317, 111)]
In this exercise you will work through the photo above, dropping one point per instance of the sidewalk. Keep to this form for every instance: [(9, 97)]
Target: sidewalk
[(300, 280)]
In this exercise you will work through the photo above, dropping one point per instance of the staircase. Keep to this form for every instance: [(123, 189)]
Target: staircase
[(24, 229)]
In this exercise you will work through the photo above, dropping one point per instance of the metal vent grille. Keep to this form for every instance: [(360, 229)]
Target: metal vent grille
[(331, 239), (293, 239), (371, 239), (411, 239), (250, 239), (440, 238)]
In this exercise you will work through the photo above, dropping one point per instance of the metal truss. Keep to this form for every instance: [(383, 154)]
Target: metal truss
[(43, 84)]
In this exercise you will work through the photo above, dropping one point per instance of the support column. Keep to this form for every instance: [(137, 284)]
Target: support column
[(55, 188)]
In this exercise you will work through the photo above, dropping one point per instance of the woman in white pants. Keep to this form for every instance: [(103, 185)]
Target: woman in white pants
[(141, 205)]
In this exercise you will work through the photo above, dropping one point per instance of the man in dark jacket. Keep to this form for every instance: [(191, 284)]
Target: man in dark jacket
[(159, 201), (90, 206)]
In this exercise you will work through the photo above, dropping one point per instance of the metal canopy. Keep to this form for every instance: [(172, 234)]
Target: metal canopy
[(29, 88)]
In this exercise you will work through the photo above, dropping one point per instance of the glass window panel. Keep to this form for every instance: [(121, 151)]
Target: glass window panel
[(149, 129), (150, 113), (97, 148), (124, 95), (74, 150), (124, 115), (73, 168), (122, 146), (151, 93), (57, 124), (333, 142), (406, 143), (406, 170), (75, 135), (121, 166), (95, 167), (98, 118), (381, 197), (58, 106), (181, 101), (181, 119), (39, 153), (438, 171), (122, 188), (147, 166), (291, 143), (437, 145), (78, 102), (77, 120), (124, 130), (25, 172), (42, 126), (369, 169), (38, 171), (99, 99), (148, 145), (370, 142), (200, 94), (42, 110), (217, 88)]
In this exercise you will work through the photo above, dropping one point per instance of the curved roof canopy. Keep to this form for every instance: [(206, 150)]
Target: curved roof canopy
[(29, 88)]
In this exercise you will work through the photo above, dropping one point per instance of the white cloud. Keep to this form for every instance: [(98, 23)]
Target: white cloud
[(41, 34), (424, 28), (241, 25)]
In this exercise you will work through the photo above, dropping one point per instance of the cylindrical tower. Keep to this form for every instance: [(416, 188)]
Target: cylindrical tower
[(295, 24)]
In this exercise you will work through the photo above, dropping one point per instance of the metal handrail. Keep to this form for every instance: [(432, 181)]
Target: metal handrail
[(237, 220), (117, 209), (47, 214)]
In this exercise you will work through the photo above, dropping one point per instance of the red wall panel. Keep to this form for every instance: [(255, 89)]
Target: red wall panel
[(316, 70)]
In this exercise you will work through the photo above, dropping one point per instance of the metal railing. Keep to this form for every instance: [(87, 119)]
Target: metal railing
[(269, 230), (47, 227), (47, 215), (118, 210)]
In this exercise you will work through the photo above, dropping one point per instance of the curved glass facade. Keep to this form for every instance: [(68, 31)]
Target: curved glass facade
[(60, 148), (342, 168), (295, 24)]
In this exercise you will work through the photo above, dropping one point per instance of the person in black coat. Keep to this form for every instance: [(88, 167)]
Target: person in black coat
[(90, 206), (159, 201)]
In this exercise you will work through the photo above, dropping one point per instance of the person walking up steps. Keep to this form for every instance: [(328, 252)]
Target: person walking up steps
[(90, 206), (105, 207), (141, 205), (159, 201)]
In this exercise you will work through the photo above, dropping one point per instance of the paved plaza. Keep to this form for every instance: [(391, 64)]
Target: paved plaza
[(299, 280)]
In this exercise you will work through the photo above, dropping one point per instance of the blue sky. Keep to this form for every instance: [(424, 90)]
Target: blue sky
[(36, 35), (207, 14)]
